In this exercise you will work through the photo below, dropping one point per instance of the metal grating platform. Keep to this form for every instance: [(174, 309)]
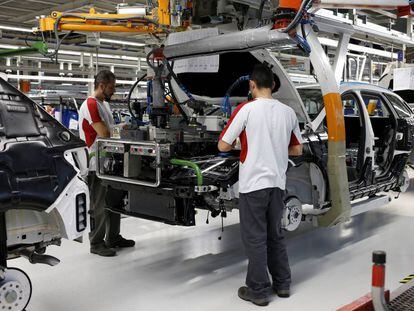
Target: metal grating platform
[(404, 302)]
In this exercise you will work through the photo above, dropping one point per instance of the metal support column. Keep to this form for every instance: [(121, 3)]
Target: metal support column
[(410, 26), (340, 56), (91, 76), (337, 174), (362, 68)]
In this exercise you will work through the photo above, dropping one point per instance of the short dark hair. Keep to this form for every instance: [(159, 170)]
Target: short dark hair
[(105, 77), (264, 77)]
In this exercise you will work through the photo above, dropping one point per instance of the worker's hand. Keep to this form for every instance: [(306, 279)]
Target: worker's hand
[(101, 129), (122, 125)]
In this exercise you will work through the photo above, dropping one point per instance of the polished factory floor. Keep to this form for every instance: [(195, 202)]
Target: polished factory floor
[(175, 268)]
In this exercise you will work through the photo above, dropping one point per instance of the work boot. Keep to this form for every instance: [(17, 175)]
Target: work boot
[(121, 243), (245, 294), (282, 293), (103, 251)]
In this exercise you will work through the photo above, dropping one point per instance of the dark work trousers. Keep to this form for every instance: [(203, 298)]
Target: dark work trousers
[(105, 225), (262, 234)]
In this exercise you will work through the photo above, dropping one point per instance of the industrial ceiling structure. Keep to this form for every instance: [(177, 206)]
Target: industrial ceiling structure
[(125, 53), (321, 89)]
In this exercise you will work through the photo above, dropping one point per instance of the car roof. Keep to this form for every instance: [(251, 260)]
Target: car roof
[(358, 86), (348, 86)]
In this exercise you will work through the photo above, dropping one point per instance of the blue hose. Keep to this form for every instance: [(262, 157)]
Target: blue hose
[(226, 105), (149, 96)]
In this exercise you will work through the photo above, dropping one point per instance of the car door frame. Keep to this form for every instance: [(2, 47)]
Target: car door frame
[(392, 114), (369, 132)]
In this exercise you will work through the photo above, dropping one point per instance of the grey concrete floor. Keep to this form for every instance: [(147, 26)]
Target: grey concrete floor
[(175, 268)]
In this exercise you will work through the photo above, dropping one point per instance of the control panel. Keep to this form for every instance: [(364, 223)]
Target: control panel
[(143, 150)]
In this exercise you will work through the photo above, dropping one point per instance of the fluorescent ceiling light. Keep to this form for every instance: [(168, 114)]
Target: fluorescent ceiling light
[(120, 65), (9, 46), (100, 55), (72, 61), (76, 53), (66, 79), (15, 28), (122, 42)]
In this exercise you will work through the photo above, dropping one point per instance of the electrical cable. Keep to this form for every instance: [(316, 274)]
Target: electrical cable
[(170, 68), (260, 17), (182, 87), (298, 16), (130, 95), (177, 80), (303, 44), (56, 32), (177, 103), (149, 60), (57, 47)]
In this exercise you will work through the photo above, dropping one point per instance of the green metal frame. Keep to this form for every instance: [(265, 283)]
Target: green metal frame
[(37, 47)]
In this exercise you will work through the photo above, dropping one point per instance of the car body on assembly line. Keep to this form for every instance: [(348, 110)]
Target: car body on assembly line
[(43, 197), (171, 171)]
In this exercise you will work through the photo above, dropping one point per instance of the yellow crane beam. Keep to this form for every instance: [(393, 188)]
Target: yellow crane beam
[(156, 21)]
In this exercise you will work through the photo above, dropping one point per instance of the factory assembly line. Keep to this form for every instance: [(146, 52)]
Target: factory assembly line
[(358, 137), (173, 161)]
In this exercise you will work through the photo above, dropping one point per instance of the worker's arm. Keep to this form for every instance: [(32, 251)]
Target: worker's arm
[(295, 150), (224, 147), (233, 129), (295, 144), (101, 129)]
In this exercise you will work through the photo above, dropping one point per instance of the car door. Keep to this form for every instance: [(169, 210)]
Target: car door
[(405, 129), (384, 125)]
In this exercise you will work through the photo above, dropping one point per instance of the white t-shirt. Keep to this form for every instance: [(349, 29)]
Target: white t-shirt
[(266, 128), (91, 111)]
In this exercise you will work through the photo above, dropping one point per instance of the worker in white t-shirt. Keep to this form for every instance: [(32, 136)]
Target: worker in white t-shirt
[(269, 132), (96, 121)]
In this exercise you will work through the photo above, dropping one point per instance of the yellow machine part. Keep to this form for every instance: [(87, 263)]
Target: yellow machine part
[(164, 17), (372, 105), (96, 22)]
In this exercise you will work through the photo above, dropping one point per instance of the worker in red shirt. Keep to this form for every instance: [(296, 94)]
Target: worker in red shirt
[(95, 120), (269, 132)]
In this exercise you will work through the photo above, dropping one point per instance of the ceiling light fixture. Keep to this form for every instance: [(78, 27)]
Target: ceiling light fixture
[(122, 42), (66, 79), (4, 27)]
